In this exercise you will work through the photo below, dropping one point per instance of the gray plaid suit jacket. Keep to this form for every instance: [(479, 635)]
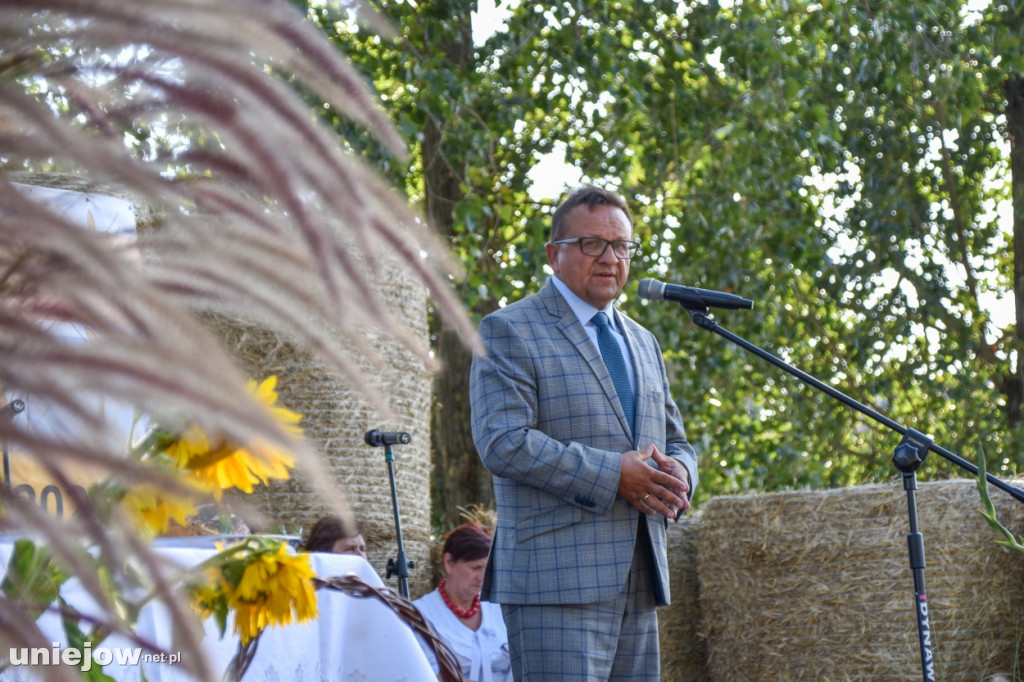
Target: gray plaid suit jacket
[(548, 425)]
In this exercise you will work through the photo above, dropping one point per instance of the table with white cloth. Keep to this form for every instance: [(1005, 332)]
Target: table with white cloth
[(353, 638)]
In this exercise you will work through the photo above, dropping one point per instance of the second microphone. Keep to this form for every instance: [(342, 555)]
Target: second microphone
[(376, 438)]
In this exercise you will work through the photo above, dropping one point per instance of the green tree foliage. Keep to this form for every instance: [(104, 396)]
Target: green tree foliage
[(841, 163)]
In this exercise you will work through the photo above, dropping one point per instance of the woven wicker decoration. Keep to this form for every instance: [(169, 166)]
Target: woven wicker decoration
[(818, 586)]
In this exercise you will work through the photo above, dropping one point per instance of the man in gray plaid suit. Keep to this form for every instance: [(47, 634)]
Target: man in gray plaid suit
[(573, 417)]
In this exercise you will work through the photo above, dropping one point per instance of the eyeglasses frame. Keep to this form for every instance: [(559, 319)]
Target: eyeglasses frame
[(579, 240)]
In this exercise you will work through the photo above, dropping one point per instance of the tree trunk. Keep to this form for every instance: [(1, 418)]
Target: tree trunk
[(459, 478), (1011, 385)]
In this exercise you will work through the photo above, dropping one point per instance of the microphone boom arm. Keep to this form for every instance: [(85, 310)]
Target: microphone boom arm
[(908, 456), (705, 321)]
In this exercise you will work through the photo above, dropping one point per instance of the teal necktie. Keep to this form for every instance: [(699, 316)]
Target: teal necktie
[(616, 364)]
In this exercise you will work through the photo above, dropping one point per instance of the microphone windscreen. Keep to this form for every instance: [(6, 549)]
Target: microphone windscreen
[(651, 289)]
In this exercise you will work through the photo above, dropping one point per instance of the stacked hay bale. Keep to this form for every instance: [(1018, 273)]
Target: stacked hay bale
[(818, 586), (335, 419), (683, 650)]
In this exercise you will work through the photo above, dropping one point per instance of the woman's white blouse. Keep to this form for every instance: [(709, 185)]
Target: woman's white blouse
[(483, 653)]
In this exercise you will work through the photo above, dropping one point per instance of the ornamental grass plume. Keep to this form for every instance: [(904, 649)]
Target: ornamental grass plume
[(200, 110)]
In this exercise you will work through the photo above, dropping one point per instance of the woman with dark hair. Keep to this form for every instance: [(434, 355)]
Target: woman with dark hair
[(473, 630), (330, 534)]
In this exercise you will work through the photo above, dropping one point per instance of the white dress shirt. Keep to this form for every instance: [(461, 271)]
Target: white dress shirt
[(585, 314)]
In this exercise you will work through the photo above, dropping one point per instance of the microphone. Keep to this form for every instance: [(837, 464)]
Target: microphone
[(12, 408), (690, 297), (377, 438)]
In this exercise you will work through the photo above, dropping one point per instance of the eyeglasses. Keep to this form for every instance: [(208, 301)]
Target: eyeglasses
[(595, 246)]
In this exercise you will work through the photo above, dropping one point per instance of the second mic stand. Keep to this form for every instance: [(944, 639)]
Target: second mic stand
[(401, 565), (12, 408), (908, 456)]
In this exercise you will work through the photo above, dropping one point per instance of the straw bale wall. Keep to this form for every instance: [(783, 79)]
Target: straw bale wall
[(336, 418), (683, 651), (818, 586)]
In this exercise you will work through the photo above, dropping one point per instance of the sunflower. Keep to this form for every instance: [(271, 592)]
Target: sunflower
[(153, 507), (208, 595), (276, 588), (266, 393), (222, 465)]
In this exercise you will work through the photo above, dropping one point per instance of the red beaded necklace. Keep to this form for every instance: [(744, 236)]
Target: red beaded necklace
[(461, 613)]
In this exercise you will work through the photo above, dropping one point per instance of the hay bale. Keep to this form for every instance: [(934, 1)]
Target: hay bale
[(335, 419), (818, 586), (683, 651)]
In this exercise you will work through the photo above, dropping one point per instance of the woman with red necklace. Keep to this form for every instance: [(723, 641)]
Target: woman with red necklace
[(473, 630)]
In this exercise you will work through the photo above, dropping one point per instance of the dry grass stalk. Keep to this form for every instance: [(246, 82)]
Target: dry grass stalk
[(192, 109)]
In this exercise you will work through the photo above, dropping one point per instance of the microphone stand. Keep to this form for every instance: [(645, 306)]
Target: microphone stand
[(9, 410), (401, 565), (908, 457)]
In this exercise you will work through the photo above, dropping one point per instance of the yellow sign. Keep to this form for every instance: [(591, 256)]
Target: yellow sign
[(32, 481)]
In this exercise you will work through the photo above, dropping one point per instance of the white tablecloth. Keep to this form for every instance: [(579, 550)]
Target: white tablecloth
[(357, 639)]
